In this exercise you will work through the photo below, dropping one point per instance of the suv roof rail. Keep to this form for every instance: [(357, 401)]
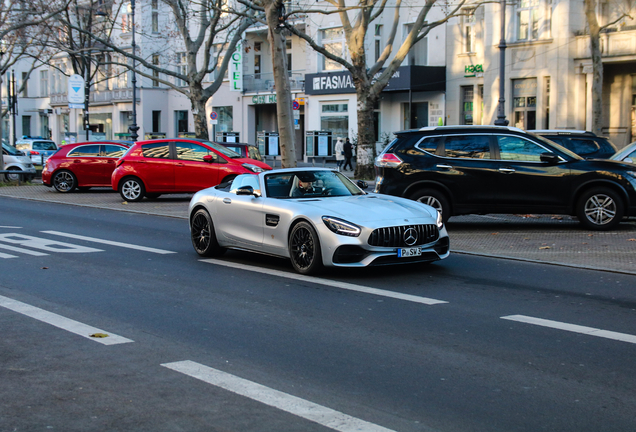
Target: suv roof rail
[(432, 128), (562, 132)]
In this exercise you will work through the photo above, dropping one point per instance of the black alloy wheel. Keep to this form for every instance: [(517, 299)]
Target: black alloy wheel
[(435, 199), (203, 236), (600, 209), (304, 249), (132, 189), (64, 181)]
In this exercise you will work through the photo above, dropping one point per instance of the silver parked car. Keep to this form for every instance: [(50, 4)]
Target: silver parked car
[(15, 160), (314, 217), (626, 154)]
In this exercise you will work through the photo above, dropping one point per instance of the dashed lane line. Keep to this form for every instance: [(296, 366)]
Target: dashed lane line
[(300, 407), (590, 331), (327, 282), (109, 242), (98, 335)]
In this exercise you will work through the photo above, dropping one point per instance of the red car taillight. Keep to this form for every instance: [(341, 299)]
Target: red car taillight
[(388, 160), (33, 152)]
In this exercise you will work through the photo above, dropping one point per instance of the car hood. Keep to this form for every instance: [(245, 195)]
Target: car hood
[(372, 207)]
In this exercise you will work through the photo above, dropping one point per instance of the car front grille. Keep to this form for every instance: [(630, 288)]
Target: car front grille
[(396, 236)]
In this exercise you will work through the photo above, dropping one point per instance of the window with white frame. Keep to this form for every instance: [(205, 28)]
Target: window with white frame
[(155, 16), (418, 55), (219, 53), (155, 73), (468, 30), (44, 83), (288, 50), (121, 73), (126, 19), (333, 41), (182, 68), (377, 41), (257, 60), (533, 19)]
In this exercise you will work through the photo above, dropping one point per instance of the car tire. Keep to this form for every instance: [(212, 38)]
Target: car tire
[(600, 209), (64, 181), (132, 189), (11, 177), (304, 249), (203, 235), (435, 199)]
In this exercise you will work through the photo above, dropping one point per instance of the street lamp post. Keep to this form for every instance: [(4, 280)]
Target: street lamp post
[(501, 112), (134, 128)]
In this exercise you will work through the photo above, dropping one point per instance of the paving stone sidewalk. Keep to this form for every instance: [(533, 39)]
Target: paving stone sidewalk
[(549, 239)]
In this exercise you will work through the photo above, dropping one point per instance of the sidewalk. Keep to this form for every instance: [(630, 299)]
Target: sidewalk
[(547, 239)]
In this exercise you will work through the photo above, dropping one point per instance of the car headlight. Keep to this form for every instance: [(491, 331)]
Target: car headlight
[(440, 220), (253, 168), (341, 227)]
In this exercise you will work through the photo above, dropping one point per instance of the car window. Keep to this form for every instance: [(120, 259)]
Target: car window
[(236, 149), (254, 153), (10, 150), (223, 150), (23, 146), (473, 146), (245, 180), (429, 144), (83, 151), (514, 148), (156, 150), (113, 151), (582, 146), (192, 152), (44, 145)]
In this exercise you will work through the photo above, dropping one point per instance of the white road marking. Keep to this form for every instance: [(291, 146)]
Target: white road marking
[(331, 283), (591, 331), (24, 251), (62, 322), (300, 407), (109, 242), (10, 227), (45, 244), (4, 255)]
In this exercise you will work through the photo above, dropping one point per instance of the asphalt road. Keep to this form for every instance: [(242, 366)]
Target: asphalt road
[(195, 345)]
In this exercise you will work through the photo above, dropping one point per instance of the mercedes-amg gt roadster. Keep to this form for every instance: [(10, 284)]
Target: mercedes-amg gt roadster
[(315, 217)]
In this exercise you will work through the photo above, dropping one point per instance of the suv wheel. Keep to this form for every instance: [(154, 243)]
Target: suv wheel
[(435, 199), (600, 209), (132, 189)]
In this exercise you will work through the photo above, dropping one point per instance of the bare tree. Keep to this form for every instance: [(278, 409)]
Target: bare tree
[(370, 78), (597, 61), (207, 33), (18, 19)]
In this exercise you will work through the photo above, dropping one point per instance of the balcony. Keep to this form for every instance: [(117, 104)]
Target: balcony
[(97, 97), (264, 83), (616, 46)]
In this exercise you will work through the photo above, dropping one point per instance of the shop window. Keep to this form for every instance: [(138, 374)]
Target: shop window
[(524, 103), (334, 117), (181, 121), (225, 120), (467, 105)]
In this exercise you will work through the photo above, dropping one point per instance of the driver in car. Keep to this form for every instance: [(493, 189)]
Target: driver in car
[(305, 186)]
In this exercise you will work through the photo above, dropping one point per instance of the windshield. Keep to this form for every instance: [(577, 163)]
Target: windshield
[(558, 146), (10, 150), (44, 145), (309, 184), (222, 149)]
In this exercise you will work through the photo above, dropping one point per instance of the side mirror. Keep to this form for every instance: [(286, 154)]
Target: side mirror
[(362, 184), (550, 158), (208, 158), (246, 190)]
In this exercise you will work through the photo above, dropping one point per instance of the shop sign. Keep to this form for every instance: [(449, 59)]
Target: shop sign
[(264, 99), (473, 70), (236, 69)]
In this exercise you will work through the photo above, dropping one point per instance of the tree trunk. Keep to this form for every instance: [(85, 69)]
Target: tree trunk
[(283, 91), (198, 112), (597, 67), (365, 151)]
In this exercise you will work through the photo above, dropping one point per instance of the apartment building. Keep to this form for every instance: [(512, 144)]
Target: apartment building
[(548, 67)]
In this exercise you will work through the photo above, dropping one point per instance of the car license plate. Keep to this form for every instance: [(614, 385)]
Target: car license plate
[(409, 252)]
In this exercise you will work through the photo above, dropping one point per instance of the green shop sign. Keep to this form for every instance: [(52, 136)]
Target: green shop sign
[(265, 99), (472, 70)]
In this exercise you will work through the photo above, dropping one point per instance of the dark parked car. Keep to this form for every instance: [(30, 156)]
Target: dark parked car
[(482, 169), (245, 150), (584, 144)]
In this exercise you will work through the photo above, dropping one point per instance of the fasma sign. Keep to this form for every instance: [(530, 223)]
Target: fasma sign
[(236, 69)]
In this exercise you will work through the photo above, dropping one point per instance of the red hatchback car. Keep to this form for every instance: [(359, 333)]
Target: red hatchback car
[(177, 165), (83, 165)]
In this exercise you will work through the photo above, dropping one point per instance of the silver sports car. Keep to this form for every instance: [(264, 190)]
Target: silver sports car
[(314, 217)]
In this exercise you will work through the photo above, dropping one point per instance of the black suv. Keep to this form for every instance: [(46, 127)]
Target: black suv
[(584, 144), (490, 169)]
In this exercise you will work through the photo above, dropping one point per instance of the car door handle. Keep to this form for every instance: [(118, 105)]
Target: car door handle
[(506, 170), (227, 200), (447, 167)]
